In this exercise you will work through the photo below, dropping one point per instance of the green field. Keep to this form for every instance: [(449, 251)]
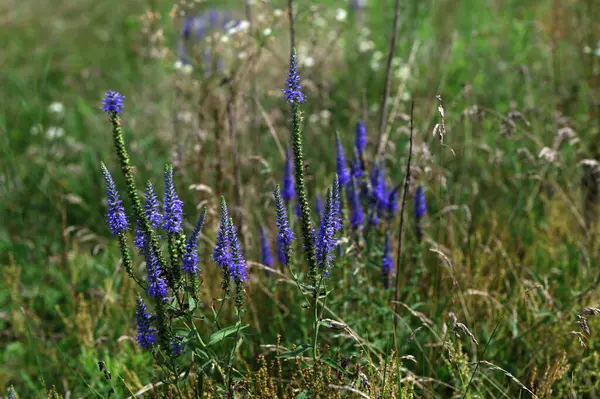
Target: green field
[(498, 283)]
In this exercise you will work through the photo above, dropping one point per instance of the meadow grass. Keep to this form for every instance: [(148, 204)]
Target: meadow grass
[(497, 298)]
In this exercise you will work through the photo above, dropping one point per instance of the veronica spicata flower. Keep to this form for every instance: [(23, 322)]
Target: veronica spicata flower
[(285, 235), (157, 286), (340, 160), (112, 102), (238, 268), (420, 204), (115, 217), (288, 178), (326, 237), (222, 252), (386, 262), (266, 258), (145, 333), (360, 142), (292, 91), (173, 206), (190, 252), (152, 212)]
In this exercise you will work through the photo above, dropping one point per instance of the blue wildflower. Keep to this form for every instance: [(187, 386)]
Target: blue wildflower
[(112, 102), (221, 253), (279, 250), (266, 258), (190, 252), (356, 167), (285, 235), (288, 178), (151, 207), (140, 238), (340, 161), (319, 205), (387, 262), (157, 287), (145, 333), (11, 393), (187, 27), (115, 217), (326, 237), (420, 204), (292, 91), (336, 205), (378, 186), (172, 207), (357, 217), (177, 346), (360, 142), (392, 201), (238, 269)]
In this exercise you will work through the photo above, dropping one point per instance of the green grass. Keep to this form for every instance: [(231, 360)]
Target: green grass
[(521, 234)]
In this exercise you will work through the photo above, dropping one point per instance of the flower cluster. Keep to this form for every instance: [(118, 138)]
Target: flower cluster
[(145, 333), (292, 91), (115, 217), (113, 102), (172, 207)]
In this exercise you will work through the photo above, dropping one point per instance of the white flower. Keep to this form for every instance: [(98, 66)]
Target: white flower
[(548, 154), (308, 61), (314, 118), (244, 25), (320, 22), (225, 39), (341, 14), (403, 72), (56, 108), (187, 69), (267, 32), (178, 65), (242, 55), (377, 55), (54, 132), (277, 12), (365, 32), (365, 45), (326, 114), (374, 64), (592, 163)]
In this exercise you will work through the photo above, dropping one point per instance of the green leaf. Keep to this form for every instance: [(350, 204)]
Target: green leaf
[(220, 335), (296, 352), (302, 395), (192, 304)]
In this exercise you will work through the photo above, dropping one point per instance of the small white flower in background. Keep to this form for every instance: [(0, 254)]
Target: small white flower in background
[(225, 38), (242, 55), (548, 154), (403, 72), (365, 45), (250, 2), (54, 132), (320, 21), (396, 61), (377, 55), (374, 64), (230, 25), (374, 108), (365, 32), (35, 130), (341, 14), (244, 25), (187, 69), (308, 62), (267, 32), (325, 114), (314, 118), (56, 108), (278, 12), (592, 163), (178, 65)]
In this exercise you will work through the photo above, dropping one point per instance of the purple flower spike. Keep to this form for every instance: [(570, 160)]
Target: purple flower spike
[(319, 206), (340, 160), (157, 287), (387, 262), (292, 91), (145, 333), (357, 217), (420, 204), (288, 178), (222, 251), (360, 142), (173, 206), (266, 258), (112, 102), (190, 252), (238, 268), (115, 217), (285, 235), (326, 237)]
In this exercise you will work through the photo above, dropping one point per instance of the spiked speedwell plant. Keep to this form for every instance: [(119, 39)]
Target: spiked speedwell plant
[(170, 331)]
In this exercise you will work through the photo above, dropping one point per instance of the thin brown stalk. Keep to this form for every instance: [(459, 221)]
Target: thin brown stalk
[(404, 195), (388, 82), (236, 168), (292, 27)]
